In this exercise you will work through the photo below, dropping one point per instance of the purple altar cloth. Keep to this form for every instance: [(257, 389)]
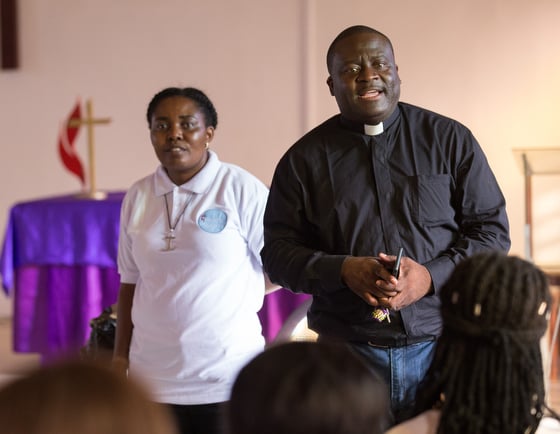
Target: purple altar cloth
[(54, 304), (58, 262), (63, 230)]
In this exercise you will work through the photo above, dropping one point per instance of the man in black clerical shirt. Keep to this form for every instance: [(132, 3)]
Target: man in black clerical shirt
[(348, 195)]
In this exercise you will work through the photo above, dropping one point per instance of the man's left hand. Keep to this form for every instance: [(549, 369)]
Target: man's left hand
[(414, 282)]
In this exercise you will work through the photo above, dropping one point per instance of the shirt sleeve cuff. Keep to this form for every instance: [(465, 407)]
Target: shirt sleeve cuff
[(440, 269), (327, 271), (324, 273)]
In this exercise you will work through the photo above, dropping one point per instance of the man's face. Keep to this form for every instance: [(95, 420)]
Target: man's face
[(364, 78)]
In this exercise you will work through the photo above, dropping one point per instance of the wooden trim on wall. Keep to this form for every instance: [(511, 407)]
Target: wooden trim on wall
[(9, 34)]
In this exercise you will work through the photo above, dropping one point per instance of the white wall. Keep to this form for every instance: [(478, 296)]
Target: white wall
[(492, 64)]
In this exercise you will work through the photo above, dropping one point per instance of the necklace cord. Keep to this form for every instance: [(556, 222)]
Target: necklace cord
[(174, 225)]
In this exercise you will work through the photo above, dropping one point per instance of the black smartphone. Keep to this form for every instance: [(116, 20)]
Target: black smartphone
[(397, 265)]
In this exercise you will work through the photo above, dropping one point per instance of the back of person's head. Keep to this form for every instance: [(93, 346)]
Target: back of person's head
[(487, 370), (76, 397), (307, 388)]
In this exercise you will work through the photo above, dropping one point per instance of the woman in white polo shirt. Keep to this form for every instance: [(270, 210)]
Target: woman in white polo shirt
[(191, 275)]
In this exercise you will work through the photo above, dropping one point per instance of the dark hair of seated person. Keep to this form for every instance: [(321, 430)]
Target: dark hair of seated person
[(79, 397), (305, 387)]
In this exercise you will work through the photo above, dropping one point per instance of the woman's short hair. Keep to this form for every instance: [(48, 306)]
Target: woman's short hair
[(199, 97)]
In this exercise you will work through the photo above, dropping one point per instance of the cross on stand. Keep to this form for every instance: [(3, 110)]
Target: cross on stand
[(89, 122)]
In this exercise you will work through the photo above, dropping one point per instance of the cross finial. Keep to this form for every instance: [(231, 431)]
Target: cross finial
[(89, 121)]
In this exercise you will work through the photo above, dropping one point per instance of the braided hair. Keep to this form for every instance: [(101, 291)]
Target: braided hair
[(487, 372)]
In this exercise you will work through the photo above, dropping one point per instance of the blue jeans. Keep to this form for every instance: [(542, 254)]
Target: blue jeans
[(403, 369)]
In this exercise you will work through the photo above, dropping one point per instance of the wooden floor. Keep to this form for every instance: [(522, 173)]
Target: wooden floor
[(12, 364)]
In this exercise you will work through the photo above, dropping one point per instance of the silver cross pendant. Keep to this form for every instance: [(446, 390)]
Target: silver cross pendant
[(169, 237)]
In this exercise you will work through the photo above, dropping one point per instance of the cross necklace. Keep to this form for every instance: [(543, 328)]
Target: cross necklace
[(170, 234)]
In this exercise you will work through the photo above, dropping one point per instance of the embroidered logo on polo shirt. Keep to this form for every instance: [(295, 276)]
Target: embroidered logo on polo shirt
[(212, 220)]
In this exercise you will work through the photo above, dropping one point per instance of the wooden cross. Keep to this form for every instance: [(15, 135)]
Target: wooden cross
[(8, 34), (89, 122)]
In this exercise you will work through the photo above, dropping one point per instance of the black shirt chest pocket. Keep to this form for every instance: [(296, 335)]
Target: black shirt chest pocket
[(432, 199)]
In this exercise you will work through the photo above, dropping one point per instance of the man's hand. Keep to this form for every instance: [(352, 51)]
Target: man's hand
[(414, 282), (120, 365), (369, 278)]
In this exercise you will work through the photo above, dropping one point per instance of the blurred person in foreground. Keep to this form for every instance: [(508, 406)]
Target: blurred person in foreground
[(75, 397), (487, 373), (308, 388)]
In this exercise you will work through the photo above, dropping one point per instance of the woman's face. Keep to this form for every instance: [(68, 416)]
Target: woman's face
[(180, 136)]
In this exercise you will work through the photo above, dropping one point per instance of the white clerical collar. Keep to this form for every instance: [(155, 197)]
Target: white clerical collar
[(373, 130)]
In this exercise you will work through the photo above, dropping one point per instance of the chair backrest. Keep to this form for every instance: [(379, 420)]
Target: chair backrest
[(295, 327)]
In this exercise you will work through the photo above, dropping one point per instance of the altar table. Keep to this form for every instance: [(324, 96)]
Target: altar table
[(58, 263)]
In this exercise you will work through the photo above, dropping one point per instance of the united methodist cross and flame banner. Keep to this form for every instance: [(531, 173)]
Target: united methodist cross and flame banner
[(66, 144)]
